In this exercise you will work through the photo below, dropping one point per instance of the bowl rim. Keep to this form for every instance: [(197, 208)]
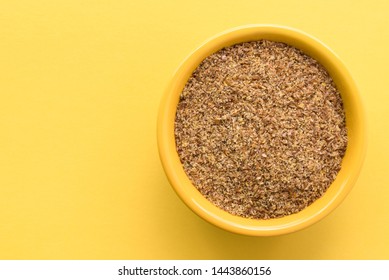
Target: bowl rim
[(355, 121)]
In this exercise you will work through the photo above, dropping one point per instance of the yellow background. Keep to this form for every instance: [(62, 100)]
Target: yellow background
[(80, 86)]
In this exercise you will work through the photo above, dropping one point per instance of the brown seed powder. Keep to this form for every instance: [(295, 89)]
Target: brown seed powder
[(260, 129)]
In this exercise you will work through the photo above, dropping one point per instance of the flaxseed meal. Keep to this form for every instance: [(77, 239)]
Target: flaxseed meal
[(260, 129)]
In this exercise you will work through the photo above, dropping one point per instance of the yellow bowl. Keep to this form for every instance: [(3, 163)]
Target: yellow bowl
[(355, 122)]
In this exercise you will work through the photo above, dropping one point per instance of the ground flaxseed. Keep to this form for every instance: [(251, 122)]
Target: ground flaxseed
[(260, 129)]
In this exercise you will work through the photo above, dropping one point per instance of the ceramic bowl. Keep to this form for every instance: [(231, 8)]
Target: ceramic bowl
[(355, 122)]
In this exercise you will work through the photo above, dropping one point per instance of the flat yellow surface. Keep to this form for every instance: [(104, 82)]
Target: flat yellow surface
[(80, 86)]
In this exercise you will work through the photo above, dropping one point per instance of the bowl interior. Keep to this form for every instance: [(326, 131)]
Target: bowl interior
[(355, 123)]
